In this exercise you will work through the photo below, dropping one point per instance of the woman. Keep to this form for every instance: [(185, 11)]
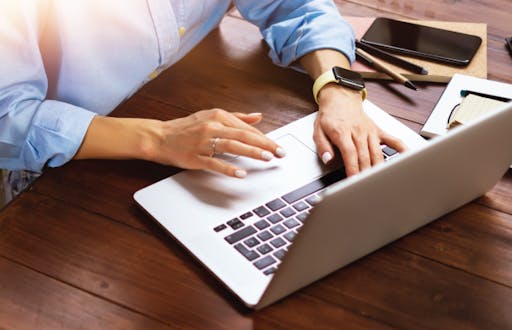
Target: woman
[(68, 64)]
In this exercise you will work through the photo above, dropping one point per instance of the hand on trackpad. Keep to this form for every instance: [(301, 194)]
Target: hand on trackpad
[(300, 165)]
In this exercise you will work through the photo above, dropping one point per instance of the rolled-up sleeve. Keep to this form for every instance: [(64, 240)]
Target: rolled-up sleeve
[(294, 28), (34, 132)]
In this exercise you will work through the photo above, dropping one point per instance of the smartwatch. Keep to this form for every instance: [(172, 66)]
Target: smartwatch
[(342, 77)]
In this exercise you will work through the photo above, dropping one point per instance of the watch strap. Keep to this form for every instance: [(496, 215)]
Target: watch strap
[(326, 78)]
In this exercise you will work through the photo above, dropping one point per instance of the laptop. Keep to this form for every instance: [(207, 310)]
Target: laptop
[(292, 221)]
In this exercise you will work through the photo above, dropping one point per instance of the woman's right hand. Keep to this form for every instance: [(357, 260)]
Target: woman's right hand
[(190, 142)]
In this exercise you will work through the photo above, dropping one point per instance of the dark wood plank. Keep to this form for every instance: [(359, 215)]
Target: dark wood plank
[(500, 198), (155, 277), (110, 260), (30, 300), (406, 291), (473, 238)]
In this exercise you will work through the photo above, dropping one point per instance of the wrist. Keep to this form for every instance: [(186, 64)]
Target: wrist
[(342, 77), (331, 91), (148, 137), (120, 138)]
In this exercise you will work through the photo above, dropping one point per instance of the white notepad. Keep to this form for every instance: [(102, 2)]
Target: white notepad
[(437, 122)]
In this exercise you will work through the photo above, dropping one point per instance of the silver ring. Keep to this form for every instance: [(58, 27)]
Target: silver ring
[(213, 145)]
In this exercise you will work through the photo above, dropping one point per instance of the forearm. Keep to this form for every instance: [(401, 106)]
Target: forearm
[(119, 138), (319, 61)]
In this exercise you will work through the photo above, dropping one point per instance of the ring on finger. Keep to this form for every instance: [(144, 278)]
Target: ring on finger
[(213, 145)]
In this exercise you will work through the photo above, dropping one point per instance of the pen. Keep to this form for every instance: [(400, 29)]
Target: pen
[(379, 65), (465, 92), (391, 58)]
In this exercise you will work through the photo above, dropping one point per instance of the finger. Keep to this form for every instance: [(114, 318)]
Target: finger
[(375, 150), (249, 118), (217, 165), (393, 142), (363, 154), (323, 145), (231, 120), (349, 154), (251, 139), (238, 148)]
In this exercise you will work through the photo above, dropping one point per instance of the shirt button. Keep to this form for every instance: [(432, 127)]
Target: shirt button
[(153, 75), (182, 30)]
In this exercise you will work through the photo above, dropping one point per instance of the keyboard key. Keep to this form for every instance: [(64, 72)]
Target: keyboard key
[(274, 218), (278, 229), (314, 186), (265, 235), (276, 204), (302, 216), (279, 254), (262, 224), (264, 249), (314, 199), (246, 215), (300, 206), (290, 235), (265, 262), (290, 223), (220, 227), (249, 254), (261, 211), (270, 271), (235, 223), (287, 212), (251, 242), (239, 235), (277, 242), (389, 151)]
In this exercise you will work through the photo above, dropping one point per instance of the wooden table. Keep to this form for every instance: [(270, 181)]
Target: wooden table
[(76, 252)]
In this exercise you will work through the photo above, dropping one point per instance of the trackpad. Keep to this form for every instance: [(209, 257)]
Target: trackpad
[(264, 179)]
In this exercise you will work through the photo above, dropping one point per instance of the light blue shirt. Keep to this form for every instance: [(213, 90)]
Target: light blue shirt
[(64, 61)]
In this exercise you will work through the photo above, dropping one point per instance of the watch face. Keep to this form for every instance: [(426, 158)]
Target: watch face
[(348, 78)]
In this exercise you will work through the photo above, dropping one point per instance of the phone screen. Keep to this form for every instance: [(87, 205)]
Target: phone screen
[(417, 40)]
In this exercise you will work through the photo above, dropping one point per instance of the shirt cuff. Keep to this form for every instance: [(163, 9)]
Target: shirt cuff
[(311, 33), (57, 132)]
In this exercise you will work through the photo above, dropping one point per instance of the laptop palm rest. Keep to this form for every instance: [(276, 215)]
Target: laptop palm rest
[(218, 192)]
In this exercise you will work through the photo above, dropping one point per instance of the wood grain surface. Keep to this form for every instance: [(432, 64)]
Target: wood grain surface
[(76, 252)]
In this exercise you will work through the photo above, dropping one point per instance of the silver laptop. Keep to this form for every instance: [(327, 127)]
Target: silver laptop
[(292, 221)]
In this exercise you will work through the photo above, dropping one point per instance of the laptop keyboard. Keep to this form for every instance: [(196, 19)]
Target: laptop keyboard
[(264, 234)]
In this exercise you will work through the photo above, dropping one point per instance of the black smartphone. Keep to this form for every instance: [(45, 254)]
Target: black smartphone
[(422, 41)]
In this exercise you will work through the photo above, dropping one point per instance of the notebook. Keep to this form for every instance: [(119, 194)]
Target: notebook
[(347, 220), (471, 107), (438, 120)]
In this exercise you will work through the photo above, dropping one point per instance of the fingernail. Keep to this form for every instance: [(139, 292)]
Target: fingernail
[(254, 114), (280, 152), (240, 174), (267, 155), (326, 157)]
